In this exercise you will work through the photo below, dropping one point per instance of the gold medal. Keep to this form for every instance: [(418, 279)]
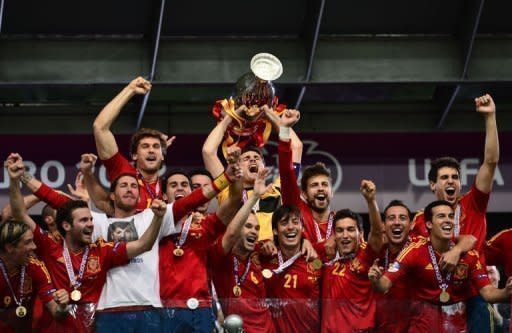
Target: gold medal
[(76, 295), (21, 311), (444, 296), (178, 252), (317, 264), (267, 273), (237, 291)]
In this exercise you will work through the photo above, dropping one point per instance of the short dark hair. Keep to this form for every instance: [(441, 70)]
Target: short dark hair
[(147, 133), (114, 183), (11, 232), (65, 213), (317, 169), (200, 171), (47, 211), (428, 210), (398, 203), (173, 172), (442, 162), (347, 213)]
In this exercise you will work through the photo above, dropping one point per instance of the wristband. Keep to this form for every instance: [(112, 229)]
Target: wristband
[(221, 182), (284, 133)]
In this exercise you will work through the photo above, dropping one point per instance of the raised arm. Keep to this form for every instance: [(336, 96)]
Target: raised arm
[(211, 145), (28, 201), (97, 193), (369, 190), (105, 142), (235, 226), (288, 119), (15, 168), (484, 178), (148, 238)]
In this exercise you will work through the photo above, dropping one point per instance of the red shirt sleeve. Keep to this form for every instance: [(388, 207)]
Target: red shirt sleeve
[(51, 197), (113, 253), (418, 226), (479, 277), (479, 199), (43, 241), (118, 165), (495, 248), (213, 227), (187, 204), (289, 190), (41, 280)]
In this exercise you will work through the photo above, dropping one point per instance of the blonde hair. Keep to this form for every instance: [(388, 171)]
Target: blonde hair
[(11, 232)]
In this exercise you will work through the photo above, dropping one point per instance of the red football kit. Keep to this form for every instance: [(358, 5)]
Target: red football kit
[(348, 300), (497, 251), (294, 294), (472, 221), (250, 303), (414, 265), (101, 257), (393, 308), (37, 282), (185, 276), (118, 165), (314, 231)]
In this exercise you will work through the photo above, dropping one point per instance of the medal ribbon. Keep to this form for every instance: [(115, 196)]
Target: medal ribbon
[(239, 281), (22, 281), (285, 265), (153, 195), (329, 228), (76, 283), (338, 257), (443, 283), (456, 230), (386, 256), (184, 231)]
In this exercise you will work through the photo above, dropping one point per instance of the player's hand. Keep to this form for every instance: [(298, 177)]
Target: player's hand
[(508, 286), (449, 260), (80, 191), (268, 248), (14, 166), (290, 117), (61, 297), (375, 272), (140, 86), (259, 183), (485, 104), (368, 190), (158, 207), (233, 169), (87, 162), (168, 140), (330, 247), (308, 250)]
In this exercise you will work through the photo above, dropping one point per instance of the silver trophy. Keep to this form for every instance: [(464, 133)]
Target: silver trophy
[(233, 324)]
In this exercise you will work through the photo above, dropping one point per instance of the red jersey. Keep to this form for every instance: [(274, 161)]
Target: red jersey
[(185, 277), (414, 266), (497, 251), (118, 165), (348, 303), (37, 283), (294, 296), (251, 305), (393, 308), (102, 257), (472, 217), (290, 194)]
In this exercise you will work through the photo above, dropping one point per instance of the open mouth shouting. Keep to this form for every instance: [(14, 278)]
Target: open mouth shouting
[(253, 168), (450, 193)]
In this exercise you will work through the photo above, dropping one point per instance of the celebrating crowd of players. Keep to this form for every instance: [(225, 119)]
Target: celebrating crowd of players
[(147, 256)]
